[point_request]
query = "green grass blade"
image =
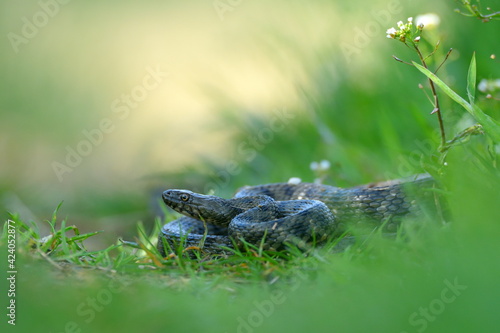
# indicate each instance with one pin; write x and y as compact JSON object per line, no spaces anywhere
{"x":471,"y":80}
{"x":84,"y":236}
{"x":63,"y":239}
{"x":447,"y":90}
{"x":490,"y":125}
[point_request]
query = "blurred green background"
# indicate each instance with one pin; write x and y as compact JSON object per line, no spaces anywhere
{"x":210,"y":96}
{"x":224,"y":71}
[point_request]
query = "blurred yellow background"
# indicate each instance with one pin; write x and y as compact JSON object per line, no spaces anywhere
{"x":65,"y":79}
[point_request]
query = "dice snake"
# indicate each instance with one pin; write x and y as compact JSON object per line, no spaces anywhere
{"x":274,"y":215}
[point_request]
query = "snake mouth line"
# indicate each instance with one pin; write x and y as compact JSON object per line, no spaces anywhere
{"x":191,"y":211}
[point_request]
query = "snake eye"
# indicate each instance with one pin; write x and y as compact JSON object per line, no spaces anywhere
{"x":184,"y":197}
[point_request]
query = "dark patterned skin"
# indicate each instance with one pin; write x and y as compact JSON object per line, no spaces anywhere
{"x":276,"y":214}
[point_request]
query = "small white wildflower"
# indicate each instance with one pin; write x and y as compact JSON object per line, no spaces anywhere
{"x":314,"y":166}
{"x":391,"y":33}
{"x":486,"y":85}
{"x":403,"y":32}
{"x":294,"y":180}
{"x":417,"y":39}
{"x":407,"y":26}
{"x":429,"y":20}
{"x":324,"y":165}
{"x":45,"y":240}
{"x":483,"y":85}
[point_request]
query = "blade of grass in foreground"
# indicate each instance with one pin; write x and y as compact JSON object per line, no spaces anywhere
{"x":471,"y":80}
{"x":490,"y":125}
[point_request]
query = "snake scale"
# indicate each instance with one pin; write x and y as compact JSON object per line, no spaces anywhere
{"x":273,"y":215}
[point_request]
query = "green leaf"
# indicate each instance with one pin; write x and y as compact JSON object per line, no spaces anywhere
{"x":489,"y":124}
{"x":471,"y":80}
{"x":63,"y":238}
{"x":448,"y":91}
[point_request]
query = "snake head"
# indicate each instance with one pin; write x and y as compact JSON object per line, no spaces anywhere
{"x":181,"y":201}
{"x":208,"y":208}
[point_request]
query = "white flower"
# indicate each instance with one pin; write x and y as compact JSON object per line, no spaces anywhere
{"x":45,"y":240}
{"x":429,"y":20}
{"x":321,"y":166}
{"x":483,"y":85}
{"x":497,"y":149}
{"x":403,"y":31}
{"x":324,"y":165}
{"x":391,"y":33}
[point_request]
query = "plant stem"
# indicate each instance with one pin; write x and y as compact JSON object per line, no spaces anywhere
{"x":437,"y":109}
{"x":475,"y":11}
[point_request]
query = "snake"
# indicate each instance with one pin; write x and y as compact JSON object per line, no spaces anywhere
{"x":276,"y":215}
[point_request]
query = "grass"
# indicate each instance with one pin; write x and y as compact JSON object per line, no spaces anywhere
{"x":380,"y":283}
{"x":436,"y":275}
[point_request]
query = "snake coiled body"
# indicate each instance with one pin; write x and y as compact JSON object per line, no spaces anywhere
{"x":273,"y":215}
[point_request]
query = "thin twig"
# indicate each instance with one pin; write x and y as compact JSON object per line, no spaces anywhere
{"x":436,"y":110}
{"x":445,"y":58}
{"x":399,"y":60}
{"x":433,"y":51}
{"x":474,"y":10}
{"x":426,"y":94}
